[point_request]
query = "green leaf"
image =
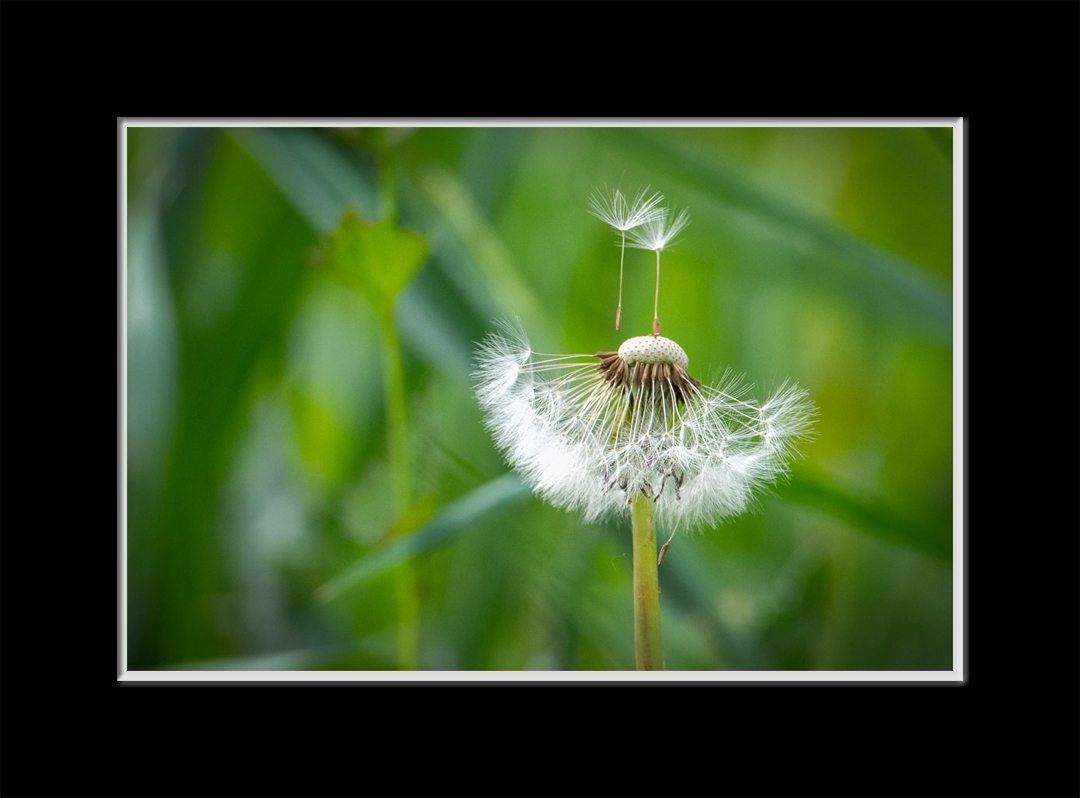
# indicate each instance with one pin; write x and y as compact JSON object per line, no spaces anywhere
{"x":237,"y":275}
{"x":492,"y":264}
{"x":870,"y":516}
{"x":378,"y":260}
{"x":318,"y":180}
{"x":459,"y":518}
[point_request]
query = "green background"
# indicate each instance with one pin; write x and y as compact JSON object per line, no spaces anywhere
{"x":309,"y":484}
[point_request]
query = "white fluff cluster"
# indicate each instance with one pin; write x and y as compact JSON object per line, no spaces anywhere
{"x":589,"y":444}
{"x":658,"y":231}
{"x":624,"y":214}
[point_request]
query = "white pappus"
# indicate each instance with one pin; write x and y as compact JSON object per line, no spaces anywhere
{"x":590,"y":432}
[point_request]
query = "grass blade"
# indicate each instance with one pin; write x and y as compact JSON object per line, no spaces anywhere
{"x":458,"y":518}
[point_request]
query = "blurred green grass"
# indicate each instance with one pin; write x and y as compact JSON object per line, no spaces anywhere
{"x":261,"y":528}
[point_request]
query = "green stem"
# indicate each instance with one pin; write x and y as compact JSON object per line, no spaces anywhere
{"x":408,"y":641}
{"x":396,"y":418}
{"x":648,"y":648}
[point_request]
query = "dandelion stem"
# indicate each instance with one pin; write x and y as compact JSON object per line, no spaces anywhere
{"x":648,"y":648}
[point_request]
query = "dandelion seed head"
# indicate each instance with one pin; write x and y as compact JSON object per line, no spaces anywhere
{"x":590,"y":432}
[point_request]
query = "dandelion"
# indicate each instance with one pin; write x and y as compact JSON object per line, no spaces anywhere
{"x":592,"y":432}
{"x":630,"y":433}
{"x":624,"y":215}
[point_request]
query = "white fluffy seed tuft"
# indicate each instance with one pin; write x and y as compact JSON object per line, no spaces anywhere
{"x":623,"y":214}
{"x":590,"y":445}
